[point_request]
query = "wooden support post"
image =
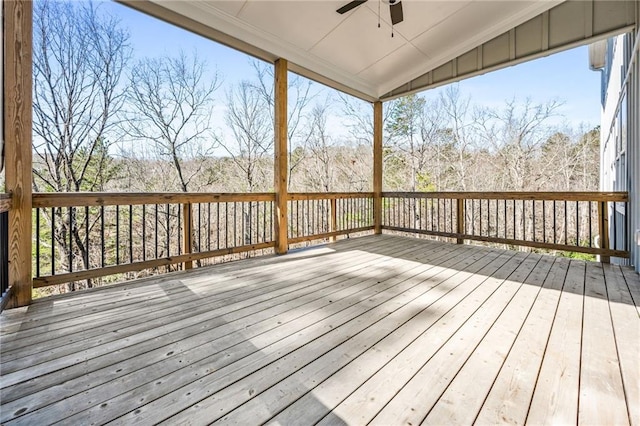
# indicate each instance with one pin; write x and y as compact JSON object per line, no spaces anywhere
{"x":460,"y":220}
{"x":377,"y":167}
{"x":17,"y":84}
{"x":280,"y":165}
{"x":603,"y":228}
{"x":333,"y":219}
{"x":187,"y":215}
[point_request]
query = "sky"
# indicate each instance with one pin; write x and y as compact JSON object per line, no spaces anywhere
{"x":564,"y":76}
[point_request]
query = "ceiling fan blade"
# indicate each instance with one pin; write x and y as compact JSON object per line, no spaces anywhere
{"x":396,"y":13}
{"x":351,"y":5}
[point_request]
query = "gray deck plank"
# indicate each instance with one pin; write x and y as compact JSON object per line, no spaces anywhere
{"x":626,"y":329}
{"x":382,"y":329}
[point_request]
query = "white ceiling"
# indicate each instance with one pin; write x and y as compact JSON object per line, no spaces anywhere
{"x":350,"y":49}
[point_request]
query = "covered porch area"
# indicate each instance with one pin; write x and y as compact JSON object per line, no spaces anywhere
{"x":381,"y":329}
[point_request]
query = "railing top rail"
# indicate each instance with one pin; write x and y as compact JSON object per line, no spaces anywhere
{"x":72,"y":199}
{"x":5,"y":202}
{"x":68,"y":199}
{"x":327,"y":195}
{"x":557,"y":196}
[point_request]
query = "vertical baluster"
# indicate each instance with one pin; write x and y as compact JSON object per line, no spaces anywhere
{"x":544,"y":223}
{"x":524,"y":221}
{"x":235,"y":224}
{"x":180,"y":250}
{"x":130,"y":233}
{"x":264,"y":221}
{"x":156,"y":241}
{"x":243,"y":230}
{"x":102,"y":256}
{"x":577,"y":224}
{"x":297,"y":227}
{"x":615,"y":227}
{"x":71,"y":211}
{"x":117,"y":234}
{"x":554,"y":221}
{"x":144,"y":232}
{"x":37,"y":242}
{"x":566,"y":223}
{"x":53,"y":240}
{"x":86,"y":237}
{"x":590,"y":211}
{"x":514,"y":218}
{"x":505,"y":218}
{"x":534,"y":220}
{"x":168,"y":217}
{"x":480,"y":214}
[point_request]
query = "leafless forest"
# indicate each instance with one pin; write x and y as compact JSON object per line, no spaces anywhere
{"x":107,"y":118}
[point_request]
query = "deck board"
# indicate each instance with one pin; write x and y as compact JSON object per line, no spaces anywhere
{"x":378,"y":329}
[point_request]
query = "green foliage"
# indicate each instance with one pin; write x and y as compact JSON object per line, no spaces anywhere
{"x":405,"y":115}
{"x":425,"y":184}
{"x":577,"y":255}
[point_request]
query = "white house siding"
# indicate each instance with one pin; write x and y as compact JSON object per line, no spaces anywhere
{"x":620,"y":140}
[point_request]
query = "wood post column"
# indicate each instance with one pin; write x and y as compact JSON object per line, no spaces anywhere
{"x":377,"y":167}
{"x":17,"y":84}
{"x":281,"y":167}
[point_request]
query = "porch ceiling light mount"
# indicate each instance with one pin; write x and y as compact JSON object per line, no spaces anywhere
{"x":395,"y":9}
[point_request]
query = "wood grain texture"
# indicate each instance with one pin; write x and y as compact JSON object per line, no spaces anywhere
{"x":73,"y":199}
{"x":382,"y":329}
{"x":17,"y":38}
{"x":558,"y":196}
{"x":281,"y":152}
{"x":5,"y":202}
{"x":377,"y":167}
{"x":138,"y":266}
{"x":292,"y":196}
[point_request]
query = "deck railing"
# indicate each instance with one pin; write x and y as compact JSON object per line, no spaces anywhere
{"x":5,"y":289}
{"x":314,"y":216}
{"x":573,"y":221}
{"x":79,"y":237}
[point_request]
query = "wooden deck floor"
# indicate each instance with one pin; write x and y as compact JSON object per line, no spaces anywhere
{"x":376,"y":330}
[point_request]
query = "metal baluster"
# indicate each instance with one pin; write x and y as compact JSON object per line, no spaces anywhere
{"x":130,"y":233}
{"x":590,"y":232}
{"x":71,"y":209}
{"x":117,"y":235}
{"x":577,"y":224}
{"x":144,"y":232}
{"x":37,"y":242}
{"x":53,"y":240}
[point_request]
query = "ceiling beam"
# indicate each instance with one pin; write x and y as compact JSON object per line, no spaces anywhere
{"x":570,"y":24}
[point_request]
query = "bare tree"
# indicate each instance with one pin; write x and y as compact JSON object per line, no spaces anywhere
{"x":79,"y":55}
{"x":170,"y":101}
{"x":515,"y":134}
{"x":252,"y":127}
{"x":300,"y":95}
{"x":320,"y":175}
{"x":457,"y":112}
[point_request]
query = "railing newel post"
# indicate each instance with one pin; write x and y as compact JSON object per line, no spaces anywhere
{"x":460,"y":220}
{"x":603,"y":229}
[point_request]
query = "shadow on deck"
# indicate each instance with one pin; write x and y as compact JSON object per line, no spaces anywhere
{"x":379,"y":329}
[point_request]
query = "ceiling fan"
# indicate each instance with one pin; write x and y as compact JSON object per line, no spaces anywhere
{"x":395,"y":7}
